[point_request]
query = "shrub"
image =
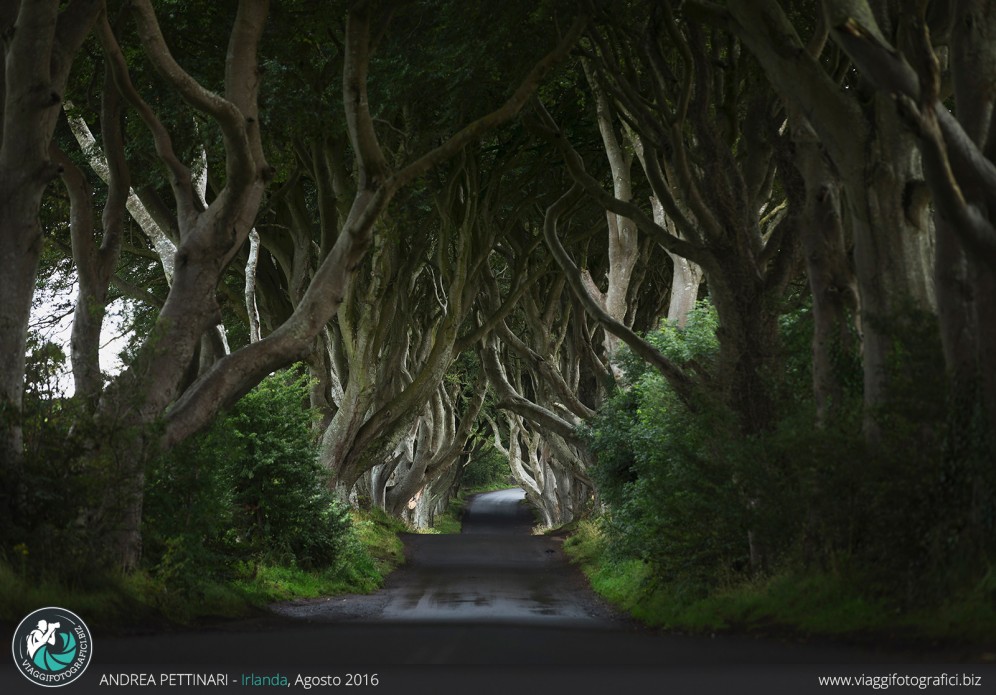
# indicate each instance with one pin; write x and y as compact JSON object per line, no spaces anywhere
{"x":909,"y":516}
{"x":676,"y":502}
{"x":249,"y":489}
{"x":48,"y":524}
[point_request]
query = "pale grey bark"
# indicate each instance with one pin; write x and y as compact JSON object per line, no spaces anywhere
{"x":539,"y":466}
{"x":161,"y":243}
{"x":94,"y":266}
{"x":429,"y":455}
{"x":702,"y":186}
{"x":877,"y":162}
{"x":836,"y":309}
{"x":623,"y":241}
{"x":686,"y":275}
{"x":208,"y":237}
{"x":250,"y":287}
{"x":685,"y":278}
{"x":523,"y":456}
{"x":376,"y":185}
{"x":671,"y":371}
{"x":958,"y":167}
{"x":510,"y":398}
{"x":535,"y":376}
{"x":394,"y":370}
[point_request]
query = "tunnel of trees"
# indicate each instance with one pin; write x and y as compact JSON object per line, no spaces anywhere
{"x":720,"y":274}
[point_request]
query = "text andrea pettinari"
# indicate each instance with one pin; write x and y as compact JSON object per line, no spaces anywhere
{"x":167,"y":679}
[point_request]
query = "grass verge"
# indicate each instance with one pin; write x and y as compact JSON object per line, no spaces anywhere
{"x":802,"y":604}
{"x":124,"y":601}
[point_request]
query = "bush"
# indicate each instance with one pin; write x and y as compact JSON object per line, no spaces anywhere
{"x":49,"y":521}
{"x":702,"y":505}
{"x":249,"y":490}
{"x":677,"y":501}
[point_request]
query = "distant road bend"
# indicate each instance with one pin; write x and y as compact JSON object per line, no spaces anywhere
{"x":493,"y":572}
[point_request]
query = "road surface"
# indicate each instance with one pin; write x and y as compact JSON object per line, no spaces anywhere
{"x":494,"y":572}
{"x":493,"y":609}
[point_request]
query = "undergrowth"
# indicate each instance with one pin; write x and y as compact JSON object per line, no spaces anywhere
{"x":787,"y":601}
{"x":115,"y":601}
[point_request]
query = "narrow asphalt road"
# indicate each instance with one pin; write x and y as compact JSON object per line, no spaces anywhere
{"x":492,"y":609}
{"x":494,"y":572}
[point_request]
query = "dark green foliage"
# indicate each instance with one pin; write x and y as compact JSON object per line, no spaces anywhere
{"x":488,"y":469}
{"x":909,"y":516}
{"x":56,"y":507}
{"x":675,"y":502}
{"x":937,"y":464}
{"x":248,"y":489}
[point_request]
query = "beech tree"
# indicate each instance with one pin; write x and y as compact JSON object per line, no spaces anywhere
{"x":41,"y":40}
{"x":957,"y":161}
{"x":893,"y":237}
{"x":713,"y":177}
{"x":385,"y":412}
{"x":313,"y":196}
{"x":156,"y":387}
{"x":536,"y":372}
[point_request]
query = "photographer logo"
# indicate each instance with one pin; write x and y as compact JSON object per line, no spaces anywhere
{"x":52,"y":647}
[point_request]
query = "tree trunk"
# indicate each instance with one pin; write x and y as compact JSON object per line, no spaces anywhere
{"x":685,"y":280}
{"x":686,"y":276}
{"x":20,"y":248}
{"x":748,"y":344}
{"x":624,"y":248}
{"x":38,"y":52}
{"x":831,"y":280}
{"x":880,"y":170}
{"x":966,"y":285}
{"x":893,"y":248}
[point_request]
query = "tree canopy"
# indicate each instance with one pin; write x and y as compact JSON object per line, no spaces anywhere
{"x":674,"y":261}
